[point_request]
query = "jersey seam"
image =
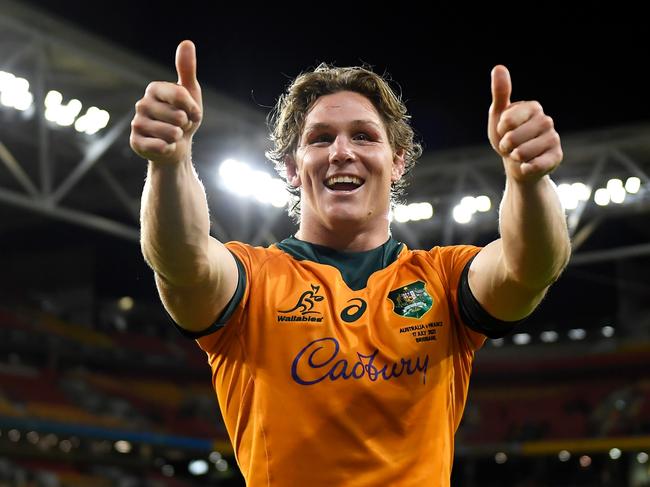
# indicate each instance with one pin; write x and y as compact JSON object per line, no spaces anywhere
{"x":248,"y":364}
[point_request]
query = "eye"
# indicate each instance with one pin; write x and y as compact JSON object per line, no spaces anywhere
{"x":363,"y":136}
{"x":321,"y":138}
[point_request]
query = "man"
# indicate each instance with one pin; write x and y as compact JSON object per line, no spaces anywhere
{"x":340,"y":357}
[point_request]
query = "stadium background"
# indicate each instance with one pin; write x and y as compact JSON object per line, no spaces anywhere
{"x":96,"y":388}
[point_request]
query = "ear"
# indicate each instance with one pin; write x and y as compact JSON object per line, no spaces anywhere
{"x":293,"y":177}
{"x":398,"y":166}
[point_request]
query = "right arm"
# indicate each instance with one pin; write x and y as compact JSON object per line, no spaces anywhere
{"x":195,"y":274}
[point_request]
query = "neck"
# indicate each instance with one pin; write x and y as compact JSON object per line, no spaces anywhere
{"x":344,"y":237}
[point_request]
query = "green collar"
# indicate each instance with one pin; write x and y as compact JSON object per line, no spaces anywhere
{"x":355,"y":267}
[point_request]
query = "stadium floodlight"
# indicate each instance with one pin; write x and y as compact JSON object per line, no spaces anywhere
{"x":14,"y":92}
{"x":613,"y":184}
{"x":462,"y":214}
{"x":564,"y":455}
{"x":167,"y":470}
{"x":632,"y":185}
{"x":607,"y":331}
{"x":601,"y":197}
{"x":497,"y":342}
{"x":122,"y":446}
{"x":483,"y":203}
{"x":549,"y":336}
{"x":125,"y":303}
{"x":568,"y":196}
{"x":469,"y":202}
{"x":585,"y":461}
{"x":577,"y":333}
{"x":412,"y":212}
{"x":401,"y":213}
{"x":500,"y":458}
{"x":642,"y":457}
{"x":616,"y":190}
{"x":221,"y":465}
{"x":581,"y":190}
{"x":239,"y":178}
{"x":615,"y":453}
{"x":521,"y":339}
{"x":198,"y":467}
{"x":617,"y":194}
{"x":420,"y":211}
{"x":57,"y":112}
{"x":65,"y":446}
{"x":92,"y":121}
{"x":214,"y":456}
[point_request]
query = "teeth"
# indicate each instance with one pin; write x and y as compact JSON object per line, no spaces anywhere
{"x":343,"y":179}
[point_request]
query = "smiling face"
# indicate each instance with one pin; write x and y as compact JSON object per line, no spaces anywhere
{"x":344,"y":165}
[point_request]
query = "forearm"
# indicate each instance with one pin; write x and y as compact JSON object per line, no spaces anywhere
{"x":535,"y":240}
{"x":175,"y":223}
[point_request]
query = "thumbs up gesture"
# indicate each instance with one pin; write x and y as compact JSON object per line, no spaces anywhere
{"x":169,"y":114}
{"x":521,"y":133}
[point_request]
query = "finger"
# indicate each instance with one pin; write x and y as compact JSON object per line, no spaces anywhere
{"x":547,"y":142}
{"x":164,"y":112}
{"x":174,"y":95}
{"x":151,"y":147}
{"x":501,"y":87}
{"x":530,"y":129}
{"x":542,"y":165}
{"x":160,"y":130}
{"x":518,"y":114}
{"x":186,"y":69}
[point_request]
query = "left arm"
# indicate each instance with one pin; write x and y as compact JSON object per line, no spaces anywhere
{"x":510,"y":276}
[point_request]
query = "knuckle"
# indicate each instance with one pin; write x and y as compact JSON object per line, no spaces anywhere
{"x":152,"y":87}
{"x":179,"y":118}
{"x":548,"y":122}
{"x":137,"y":124}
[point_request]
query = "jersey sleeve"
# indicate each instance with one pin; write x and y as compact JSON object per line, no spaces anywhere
{"x":451,"y":261}
{"x":247,"y":259}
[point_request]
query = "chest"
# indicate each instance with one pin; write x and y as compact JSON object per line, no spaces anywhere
{"x":306,"y":321}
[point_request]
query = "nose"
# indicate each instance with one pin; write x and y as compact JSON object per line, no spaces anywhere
{"x":341,"y":150}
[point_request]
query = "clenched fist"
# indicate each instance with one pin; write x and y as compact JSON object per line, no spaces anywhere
{"x":169,"y":114}
{"x":521,"y":133}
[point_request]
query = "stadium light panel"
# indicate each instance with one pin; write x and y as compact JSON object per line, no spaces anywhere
{"x":601,"y":197}
{"x":483,"y":203}
{"x":632,"y":185}
{"x":198,"y":467}
{"x":462,"y":214}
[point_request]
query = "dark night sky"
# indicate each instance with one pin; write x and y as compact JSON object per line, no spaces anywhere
{"x":588,"y":72}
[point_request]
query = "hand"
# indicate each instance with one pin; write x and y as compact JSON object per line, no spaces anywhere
{"x":521,"y":133}
{"x":169,"y":114}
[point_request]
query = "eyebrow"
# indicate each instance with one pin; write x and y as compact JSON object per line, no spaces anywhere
{"x":322,"y":125}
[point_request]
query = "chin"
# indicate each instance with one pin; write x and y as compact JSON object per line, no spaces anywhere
{"x":350,"y":215}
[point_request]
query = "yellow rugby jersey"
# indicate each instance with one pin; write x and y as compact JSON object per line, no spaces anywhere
{"x":324,"y":379}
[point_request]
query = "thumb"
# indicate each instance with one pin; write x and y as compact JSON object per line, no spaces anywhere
{"x":186,"y":69}
{"x":501,"y":90}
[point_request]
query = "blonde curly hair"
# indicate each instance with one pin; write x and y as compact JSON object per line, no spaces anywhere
{"x":287,"y":119}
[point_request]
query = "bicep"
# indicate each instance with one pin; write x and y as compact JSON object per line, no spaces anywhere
{"x":195,"y":307}
{"x":501,"y":296}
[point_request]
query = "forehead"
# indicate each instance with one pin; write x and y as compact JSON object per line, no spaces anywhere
{"x":342,"y":106}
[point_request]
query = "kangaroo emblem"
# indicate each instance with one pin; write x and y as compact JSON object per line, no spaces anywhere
{"x":306,"y":302}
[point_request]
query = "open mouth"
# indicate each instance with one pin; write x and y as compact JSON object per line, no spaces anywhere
{"x":343,"y":183}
